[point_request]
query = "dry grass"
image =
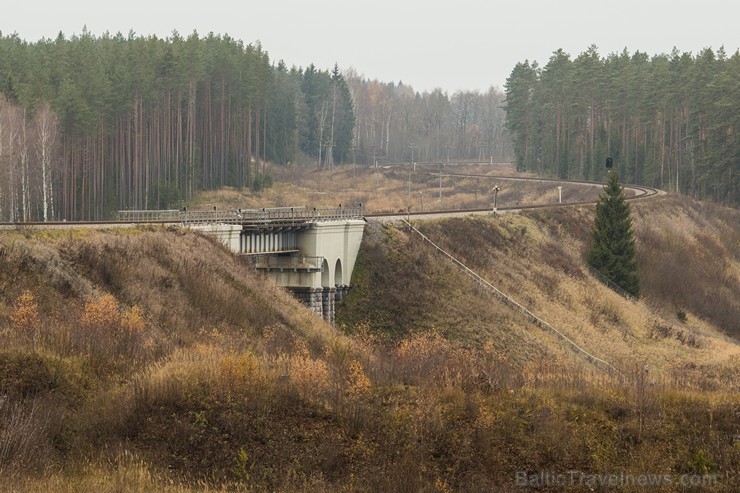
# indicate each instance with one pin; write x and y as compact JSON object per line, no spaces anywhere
{"x":689,"y":256}
{"x":387,"y":190}
{"x":538,"y":260}
{"x":123,"y":473}
{"x":24,"y":441}
{"x":156,"y":361}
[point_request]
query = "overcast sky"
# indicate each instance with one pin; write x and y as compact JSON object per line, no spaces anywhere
{"x":462,"y":44}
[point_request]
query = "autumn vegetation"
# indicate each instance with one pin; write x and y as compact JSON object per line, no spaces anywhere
{"x":153,"y":359}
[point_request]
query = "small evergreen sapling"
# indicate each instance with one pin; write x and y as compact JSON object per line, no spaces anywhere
{"x":612,"y":251}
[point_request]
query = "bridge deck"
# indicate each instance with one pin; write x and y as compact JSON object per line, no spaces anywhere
{"x":299,"y":217}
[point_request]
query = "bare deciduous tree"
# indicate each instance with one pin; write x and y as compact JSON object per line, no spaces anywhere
{"x":45,"y":126}
{"x":27,"y":162}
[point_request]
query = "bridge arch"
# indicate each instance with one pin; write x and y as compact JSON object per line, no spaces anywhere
{"x":338,"y":273}
{"x":325,"y":275}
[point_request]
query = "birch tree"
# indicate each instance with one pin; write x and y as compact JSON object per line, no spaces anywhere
{"x":25,"y":188}
{"x":3,"y":158}
{"x":45,"y":126}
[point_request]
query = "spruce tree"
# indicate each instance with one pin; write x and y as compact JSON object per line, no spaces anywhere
{"x":612,"y":252}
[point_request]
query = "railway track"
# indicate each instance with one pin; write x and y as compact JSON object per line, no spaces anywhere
{"x":640,"y":193}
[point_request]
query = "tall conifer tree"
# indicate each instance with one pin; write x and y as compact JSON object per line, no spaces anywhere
{"x":612,"y":250}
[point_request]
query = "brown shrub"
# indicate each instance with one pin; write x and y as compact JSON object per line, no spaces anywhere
{"x":24,"y":318}
{"x":25,"y":315}
{"x":111,"y":338}
{"x":278,"y":339}
{"x":423,"y":358}
{"x":100,"y":315}
{"x":555,"y":256}
{"x":492,"y":370}
{"x":686,"y":259}
{"x":24,"y":440}
{"x":310,"y":377}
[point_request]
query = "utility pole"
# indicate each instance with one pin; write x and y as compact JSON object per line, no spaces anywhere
{"x":440,"y":182}
{"x":354,"y":163}
{"x":375,"y":160}
{"x":412,"y":146}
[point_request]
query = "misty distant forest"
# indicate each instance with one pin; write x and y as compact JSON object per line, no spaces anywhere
{"x":91,"y":125}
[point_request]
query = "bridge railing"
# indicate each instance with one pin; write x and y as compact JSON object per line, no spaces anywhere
{"x":336,"y":213}
{"x":290,"y":215}
{"x":148,"y":215}
{"x":293,"y":262}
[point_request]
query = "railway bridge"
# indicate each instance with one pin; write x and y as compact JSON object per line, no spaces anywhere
{"x":309,"y":251}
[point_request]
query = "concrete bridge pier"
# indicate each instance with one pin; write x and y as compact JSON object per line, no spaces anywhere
{"x":313,"y":298}
{"x":330,"y":248}
{"x":311,"y":253}
{"x":342,"y":292}
{"x":320,"y":300}
{"x":328,"y":302}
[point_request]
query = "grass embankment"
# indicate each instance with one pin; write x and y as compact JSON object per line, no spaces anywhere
{"x":391,"y":189}
{"x":537,"y":258}
{"x":154,"y":360}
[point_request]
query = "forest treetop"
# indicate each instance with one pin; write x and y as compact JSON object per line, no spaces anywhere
{"x":90,"y":125}
{"x":145,"y":122}
{"x":669,"y":121}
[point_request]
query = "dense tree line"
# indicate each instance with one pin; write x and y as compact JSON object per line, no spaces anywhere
{"x":90,"y":125}
{"x":669,"y":121}
{"x":94,"y":124}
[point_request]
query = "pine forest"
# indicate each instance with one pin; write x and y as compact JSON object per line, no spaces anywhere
{"x":92,"y":125}
{"x":669,"y":121}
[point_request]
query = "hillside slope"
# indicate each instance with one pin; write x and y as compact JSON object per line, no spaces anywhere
{"x":689,"y":266}
{"x":151,"y":359}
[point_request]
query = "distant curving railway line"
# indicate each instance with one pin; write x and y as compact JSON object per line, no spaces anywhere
{"x":640,"y":193}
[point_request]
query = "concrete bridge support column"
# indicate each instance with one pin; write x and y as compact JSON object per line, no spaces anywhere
{"x":342,"y":291}
{"x":328,"y":299}
{"x":313,"y":298}
{"x":320,"y":300}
